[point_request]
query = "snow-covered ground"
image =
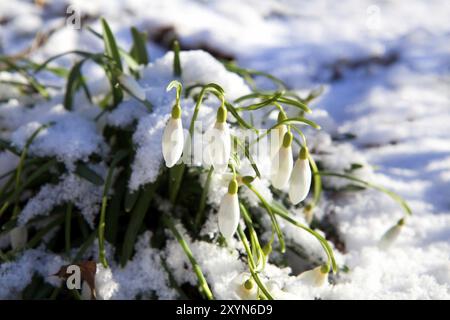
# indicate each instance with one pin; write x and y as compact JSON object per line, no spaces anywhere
{"x":385,"y":67}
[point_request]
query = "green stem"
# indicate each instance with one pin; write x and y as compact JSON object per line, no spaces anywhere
{"x":256,"y":247}
{"x":203,"y":284}
{"x":317,"y":181}
{"x":325,"y":245}
{"x":201,"y":208}
{"x":271,"y":215}
{"x":251,"y":264}
{"x":121,"y":154}
{"x":390,"y":193}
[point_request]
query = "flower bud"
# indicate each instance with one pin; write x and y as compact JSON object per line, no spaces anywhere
{"x":316,"y":277}
{"x":300,"y":179}
{"x":229,"y":211}
{"x":391,"y":235}
{"x":282,"y":163}
{"x":173,"y":138}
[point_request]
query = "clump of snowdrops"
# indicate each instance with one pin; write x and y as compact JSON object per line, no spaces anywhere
{"x":125,"y":214}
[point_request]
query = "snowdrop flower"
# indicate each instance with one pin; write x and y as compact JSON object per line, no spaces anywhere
{"x":173,"y":137}
{"x":278,"y":133}
{"x":229,"y":212}
{"x":391,"y":235}
{"x":300,"y":178}
{"x":131,"y":86}
{"x":316,"y":277}
{"x":244,"y":287}
{"x":219,"y":146}
{"x":282,"y":163}
{"x":18,"y":237}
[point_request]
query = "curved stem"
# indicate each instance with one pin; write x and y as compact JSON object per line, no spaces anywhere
{"x":203,"y":284}
{"x":251,"y":264}
{"x":390,"y":193}
{"x":325,"y":245}
{"x":201,"y":208}
{"x":271,"y":215}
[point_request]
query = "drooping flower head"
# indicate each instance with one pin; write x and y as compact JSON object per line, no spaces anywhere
{"x":301,"y":178}
{"x":229,"y":211}
{"x":282,"y":163}
{"x":173,"y":136}
{"x":219,"y":145}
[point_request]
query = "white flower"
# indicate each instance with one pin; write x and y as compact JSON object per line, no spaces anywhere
{"x":229,"y":212}
{"x":219,"y":145}
{"x":278,"y":135}
{"x":282,"y":163}
{"x":316,"y":277}
{"x":18,"y":237}
{"x":391,"y":235}
{"x":173,"y":138}
{"x":132,"y":86}
{"x":300,"y":178}
{"x":244,"y":287}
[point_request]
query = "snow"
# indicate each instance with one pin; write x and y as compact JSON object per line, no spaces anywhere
{"x":71,"y":189}
{"x":397,"y":110}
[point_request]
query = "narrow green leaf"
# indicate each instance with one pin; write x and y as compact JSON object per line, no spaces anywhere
{"x":110,"y":44}
{"x":73,"y":82}
{"x":136,"y":220}
{"x":176,"y":59}
{"x":139,"y":50}
{"x":390,"y":193}
{"x":279,"y":209}
{"x":201,"y":207}
{"x":83,"y":171}
{"x":120,"y":155}
{"x":130,"y":200}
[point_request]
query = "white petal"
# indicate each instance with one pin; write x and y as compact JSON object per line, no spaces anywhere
{"x":390,"y":236}
{"x":282,"y":165}
{"x":300,"y":181}
{"x":173,"y":142}
{"x":132,"y":86}
{"x":219,"y":147}
{"x":240,"y":290}
{"x":314,"y":277}
{"x":18,"y":237}
{"x":229,"y":214}
{"x":277,"y":141}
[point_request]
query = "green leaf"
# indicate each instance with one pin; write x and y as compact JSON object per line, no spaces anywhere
{"x":297,"y":120}
{"x":136,"y":220}
{"x":295,"y":103}
{"x":390,"y":193}
{"x":130,"y":199}
{"x":120,"y":155}
{"x":139,"y":49}
{"x":83,"y":171}
{"x":202,"y":205}
{"x":176,"y":174}
{"x":261,"y":104}
{"x":176,"y":59}
{"x":73,"y":82}
{"x":280,"y":210}
{"x":110,"y":44}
